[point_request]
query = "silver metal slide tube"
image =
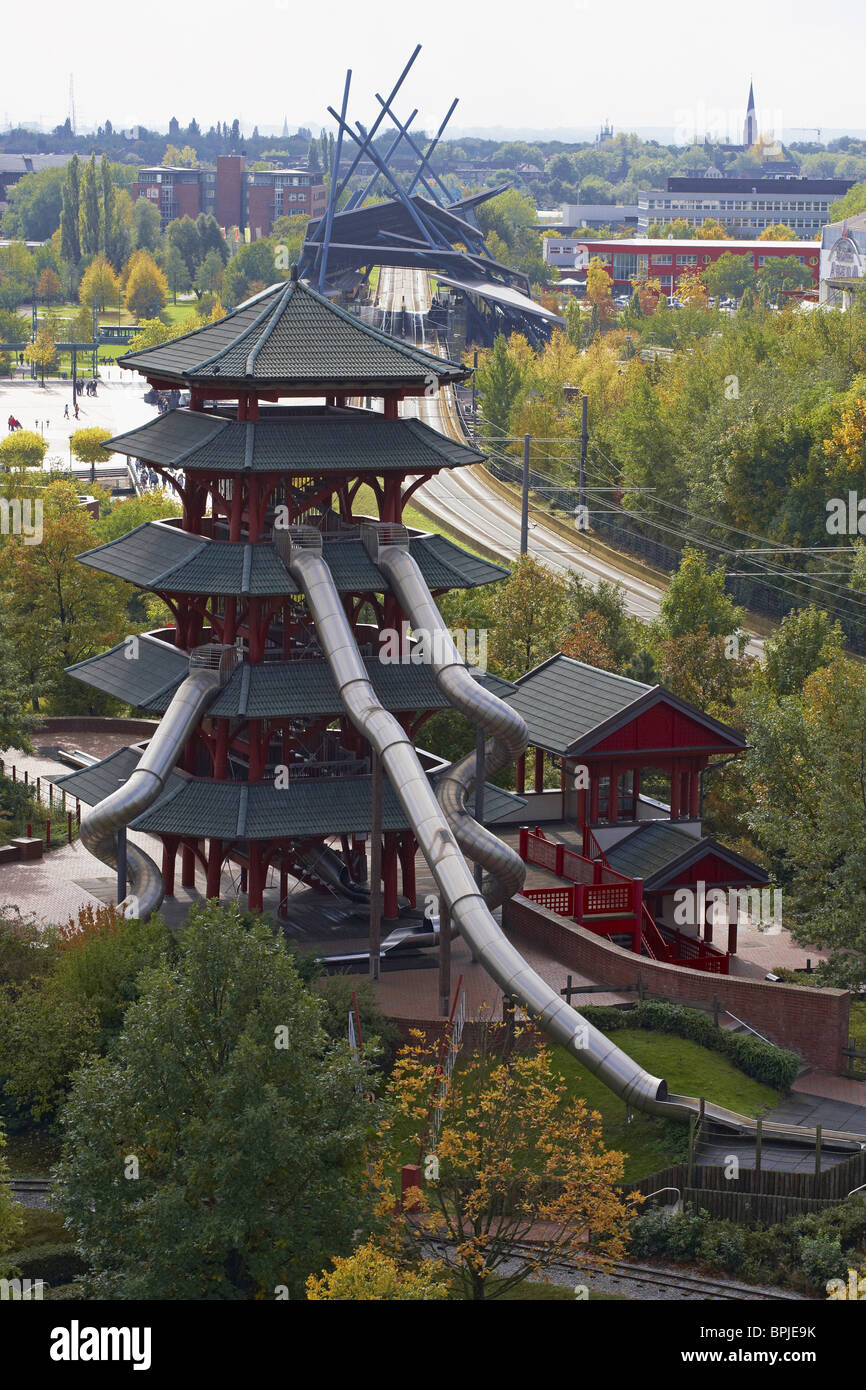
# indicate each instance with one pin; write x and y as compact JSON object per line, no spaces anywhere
{"x":301,"y":551}
{"x":100,"y":824}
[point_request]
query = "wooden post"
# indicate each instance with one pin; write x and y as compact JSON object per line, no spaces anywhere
{"x":69,"y":826}
{"x":691,"y":1168}
{"x":818,"y":1132}
{"x":48,"y":834}
{"x":759,"y":1140}
{"x":444,"y":960}
{"x":375,"y":862}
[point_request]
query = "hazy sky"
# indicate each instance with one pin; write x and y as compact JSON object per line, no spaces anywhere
{"x":568,"y":63}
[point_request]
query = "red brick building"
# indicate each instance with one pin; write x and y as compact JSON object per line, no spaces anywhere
{"x":656,"y":258}
{"x":249,"y":199}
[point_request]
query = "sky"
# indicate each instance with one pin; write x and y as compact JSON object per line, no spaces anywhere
{"x":567,"y":65}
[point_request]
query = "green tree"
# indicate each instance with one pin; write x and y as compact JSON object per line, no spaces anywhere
{"x":183,"y":234}
{"x":528,"y":616}
{"x":145,"y":224}
{"x":87,"y":445}
{"x":729,"y":276}
{"x":48,"y":288}
{"x":209,"y":276}
{"x":22,"y":449}
{"x":108,"y":204}
{"x":695,"y":597}
{"x":500,"y":382}
{"x":70,"y":218}
{"x":210,"y":237}
{"x":176,"y":272}
{"x":91,"y":220}
{"x":805,"y":640}
{"x":781,"y":273}
{"x":247,"y":1129}
{"x":11,"y":1222}
{"x":34,"y":205}
{"x":42,"y":351}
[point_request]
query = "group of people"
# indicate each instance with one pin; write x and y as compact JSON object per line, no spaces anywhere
{"x":87,"y":388}
{"x":14,"y":424}
{"x":66,"y":415}
{"x":149,"y":478}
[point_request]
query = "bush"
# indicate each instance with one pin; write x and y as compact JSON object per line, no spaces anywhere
{"x":55,"y":1264}
{"x":337,"y":990}
{"x":761,"y":1060}
{"x":822,"y":1259}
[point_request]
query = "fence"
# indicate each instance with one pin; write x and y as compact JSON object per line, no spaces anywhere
{"x":51,"y":815}
{"x":625,"y":533}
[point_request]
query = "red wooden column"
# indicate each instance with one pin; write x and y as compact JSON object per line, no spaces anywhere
{"x":563,"y":776}
{"x":594,"y":779}
{"x":214,"y":866}
{"x":187,"y":867}
{"x":255,"y":895}
{"x":520,"y":773}
{"x":732,"y":939}
{"x":637,"y":929}
{"x":539,"y":769}
{"x":169,"y":855}
{"x":390,"y":906}
{"x":636,"y":791}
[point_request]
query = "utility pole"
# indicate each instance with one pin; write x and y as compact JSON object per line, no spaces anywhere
{"x":584,"y":439}
{"x":474,"y":404}
{"x":524,"y":502}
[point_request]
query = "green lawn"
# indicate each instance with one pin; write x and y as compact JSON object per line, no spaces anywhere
{"x":689,"y":1069}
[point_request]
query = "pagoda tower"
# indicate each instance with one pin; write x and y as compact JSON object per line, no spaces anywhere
{"x":273,"y":769}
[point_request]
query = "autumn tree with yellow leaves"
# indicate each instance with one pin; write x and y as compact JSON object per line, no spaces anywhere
{"x":512,"y":1159}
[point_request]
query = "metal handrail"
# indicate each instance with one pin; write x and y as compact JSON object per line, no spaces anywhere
{"x":657,"y":1193}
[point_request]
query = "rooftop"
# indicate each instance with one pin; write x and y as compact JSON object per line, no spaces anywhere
{"x":291,"y":337}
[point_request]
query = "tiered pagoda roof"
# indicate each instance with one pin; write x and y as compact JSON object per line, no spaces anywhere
{"x":165,"y":559}
{"x":291,"y":338}
{"x":293,"y":441}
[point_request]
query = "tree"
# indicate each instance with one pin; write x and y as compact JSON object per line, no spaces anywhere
{"x":694,"y":598}
{"x":711,"y":230}
{"x":145,"y":224}
{"x":528,"y":616}
{"x":146,"y":286}
{"x":99,"y":285}
{"x":500,"y":382}
{"x":11,"y":1223}
{"x":87,"y":445}
{"x":35,"y":205}
{"x":70,"y":218}
{"x":574,"y":323}
{"x":152,"y":332}
{"x":91,"y":220}
{"x":729,"y":276}
{"x":56,"y":611}
{"x":171,"y":158}
{"x":514,"y":1150}
{"x":599,"y":284}
{"x":808,"y":810}
{"x":22,"y":449}
{"x":42,"y":351}
{"x":371,"y":1274}
{"x":183,"y":234}
{"x":176,"y":272}
{"x":209,"y":276}
{"x":108,"y":204}
{"x":702,"y":668}
{"x":48,"y":287}
{"x":691,"y":289}
{"x":584,"y":643}
{"x":805,"y":640}
{"x":251,"y":265}
{"x":602,"y":605}
{"x":778,"y":231}
{"x":780,"y":274}
{"x":210,"y":237}
{"x":247,"y":1130}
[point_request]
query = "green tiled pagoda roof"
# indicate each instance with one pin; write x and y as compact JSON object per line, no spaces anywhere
{"x":297,"y":688}
{"x":658,"y":852}
{"x":306,"y":807}
{"x":291,"y":336}
{"x":563,"y":699}
{"x":301,"y":442}
{"x":259,"y":811}
{"x":163,"y":558}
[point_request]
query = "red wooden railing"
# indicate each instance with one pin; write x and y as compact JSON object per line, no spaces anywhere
{"x":609,"y":903}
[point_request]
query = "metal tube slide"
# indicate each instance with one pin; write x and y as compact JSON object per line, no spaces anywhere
{"x":99,"y":826}
{"x":300,"y":548}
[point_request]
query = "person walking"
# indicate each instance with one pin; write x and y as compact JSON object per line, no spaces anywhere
{"x":66,"y":412}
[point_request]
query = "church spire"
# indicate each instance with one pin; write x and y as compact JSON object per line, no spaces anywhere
{"x":750,"y":128}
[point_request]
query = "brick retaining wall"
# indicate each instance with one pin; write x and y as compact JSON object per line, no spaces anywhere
{"x":811,"y":1022}
{"x":95,"y":724}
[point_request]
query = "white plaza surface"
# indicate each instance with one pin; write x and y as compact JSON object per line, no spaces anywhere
{"x":118,"y":406}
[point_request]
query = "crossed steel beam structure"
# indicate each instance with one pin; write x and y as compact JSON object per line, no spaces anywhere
{"x":419,"y":226}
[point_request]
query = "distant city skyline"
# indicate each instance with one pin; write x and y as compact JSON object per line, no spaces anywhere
{"x":512,"y":78}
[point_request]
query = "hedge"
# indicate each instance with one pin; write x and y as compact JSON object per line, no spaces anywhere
{"x":759,"y":1059}
{"x":55,"y":1264}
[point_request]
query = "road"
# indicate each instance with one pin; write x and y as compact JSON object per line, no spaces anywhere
{"x":463,"y":497}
